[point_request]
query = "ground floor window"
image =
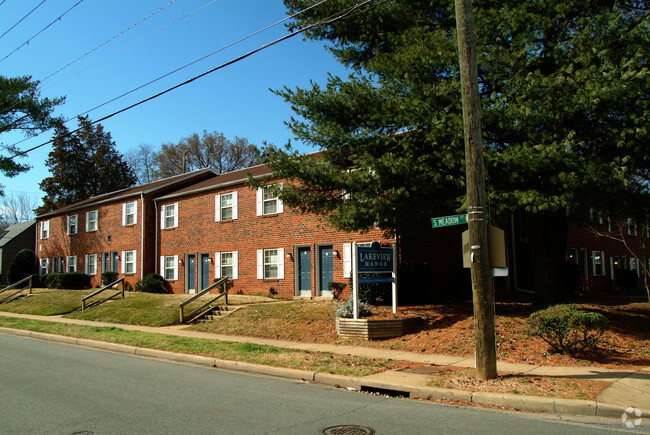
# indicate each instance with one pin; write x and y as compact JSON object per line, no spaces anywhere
{"x":45,"y":263}
{"x":128,"y":262}
{"x":71,"y":263}
{"x":169,"y":267}
{"x":598,"y":262}
{"x":226,"y":264}
{"x":270,"y":263}
{"x":91,"y":264}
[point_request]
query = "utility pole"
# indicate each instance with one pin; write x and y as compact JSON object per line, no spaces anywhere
{"x":482,"y":290}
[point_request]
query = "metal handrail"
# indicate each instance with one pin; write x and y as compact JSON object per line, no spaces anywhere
{"x":106,"y":287}
{"x":224,"y":293}
{"x":14,"y":285}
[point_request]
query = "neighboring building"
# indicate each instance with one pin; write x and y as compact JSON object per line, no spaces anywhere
{"x":13,"y":239}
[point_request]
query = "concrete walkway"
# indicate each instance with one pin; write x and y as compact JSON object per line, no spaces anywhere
{"x":628,"y":397}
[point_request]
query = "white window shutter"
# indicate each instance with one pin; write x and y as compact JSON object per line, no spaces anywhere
{"x":163,"y":212}
{"x":217,"y":264}
{"x":176,"y":212}
{"x":135,"y":213}
{"x":135,"y":261}
{"x":87,"y":271}
{"x":87,"y":213}
{"x":161,"y":272}
{"x":235,"y":263}
{"x":123,"y":214}
{"x":260,"y":264}
{"x":175,"y":277}
{"x":123,"y":261}
{"x":347,"y":260}
{"x":280,"y":207}
{"x":281,"y":266}
{"x":234,"y":205}
{"x":217,"y":208}
{"x":75,"y":263}
{"x":260,"y":201}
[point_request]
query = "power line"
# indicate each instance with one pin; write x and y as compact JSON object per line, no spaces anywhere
{"x":21,"y":20}
{"x":42,"y":30}
{"x":336,"y":17}
{"x":180,"y":68}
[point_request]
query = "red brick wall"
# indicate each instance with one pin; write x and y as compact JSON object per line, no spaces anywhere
{"x":197,"y":232}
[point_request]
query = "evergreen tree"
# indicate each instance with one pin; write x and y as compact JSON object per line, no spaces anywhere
{"x":21,"y":109}
{"x":564,"y":90}
{"x":83,"y":164}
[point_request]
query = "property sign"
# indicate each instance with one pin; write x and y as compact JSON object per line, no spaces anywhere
{"x":447,"y":221}
{"x":374,"y":260}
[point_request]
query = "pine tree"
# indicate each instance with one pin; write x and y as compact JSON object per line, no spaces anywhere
{"x":564,"y":90}
{"x":83,"y":164}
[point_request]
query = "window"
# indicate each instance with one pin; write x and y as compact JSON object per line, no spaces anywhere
{"x":347,"y":257}
{"x":631,"y":227}
{"x":72,"y":224}
{"x":169,"y":267}
{"x":71,"y":263}
{"x":268,"y":202}
{"x":45,"y":229}
{"x":91,"y":221}
{"x":270,"y":263}
{"x":169,"y":216}
{"x":226,"y":264}
{"x":598,"y":263}
{"x":225,"y":206}
{"x":130,"y":213}
{"x":45,"y":263}
{"x":128,"y":262}
{"x":91,"y":264}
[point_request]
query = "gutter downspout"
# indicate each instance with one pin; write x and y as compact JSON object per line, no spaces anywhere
{"x":514,"y":258}
{"x":142,"y":238}
{"x":155,"y":247}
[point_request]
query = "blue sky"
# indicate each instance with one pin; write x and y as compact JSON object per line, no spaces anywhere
{"x":235,"y":100}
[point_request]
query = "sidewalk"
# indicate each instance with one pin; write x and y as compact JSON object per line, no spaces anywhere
{"x":629,"y":389}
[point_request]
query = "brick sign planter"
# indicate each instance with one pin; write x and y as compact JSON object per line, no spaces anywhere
{"x":371,"y":329}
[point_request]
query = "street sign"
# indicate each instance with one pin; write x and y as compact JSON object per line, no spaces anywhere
{"x":447,"y":221}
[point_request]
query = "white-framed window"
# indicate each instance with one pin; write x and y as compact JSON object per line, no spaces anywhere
{"x":45,"y":266}
{"x":91,"y":264}
{"x":169,"y":267}
{"x":631,"y":227}
{"x":130,"y":213}
{"x":226,"y":264}
{"x":347,"y":257}
{"x":270,"y":263}
{"x":169,"y":216}
{"x":609,"y":223}
{"x":128,"y":262}
{"x":268,"y":202}
{"x":633,"y":265}
{"x":45,"y":229}
{"x":71,"y":263}
{"x":72,"y":224}
{"x":225,"y":206}
{"x":91,"y":221}
{"x":598,"y":263}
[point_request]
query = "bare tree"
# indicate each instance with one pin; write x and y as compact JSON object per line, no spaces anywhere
{"x":16,"y":209}
{"x":142,"y":160}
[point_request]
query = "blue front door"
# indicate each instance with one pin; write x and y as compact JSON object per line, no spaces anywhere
{"x":304,"y":271}
{"x":205,"y":271}
{"x":191,"y":274}
{"x":326,"y":266}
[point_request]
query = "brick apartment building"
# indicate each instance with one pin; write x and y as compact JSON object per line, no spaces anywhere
{"x":199,"y":226}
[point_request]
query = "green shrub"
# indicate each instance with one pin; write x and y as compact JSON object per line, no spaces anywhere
{"x":336,"y":288}
{"x":152,"y":283}
{"x":346,"y":309}
{"x":68,"y":280}
{"x":566,"y":328}
{"x":22,"y":266}
{"x":109,"y":277}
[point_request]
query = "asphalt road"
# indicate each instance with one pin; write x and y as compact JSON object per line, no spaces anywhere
{"x":53,"y":388}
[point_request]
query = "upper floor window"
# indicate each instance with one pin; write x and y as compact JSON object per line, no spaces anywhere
{"x":91,"y":220}
{"x":45,"y":229}
{"x":268,"y":201}
{"x":72,"y":224}
{"x":631,"y":227}
{"x":169,"y":216}
{"x":225,"y":206}
{"x":130,"y":213}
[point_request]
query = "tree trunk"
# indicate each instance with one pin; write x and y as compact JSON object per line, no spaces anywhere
{"x":548,"y":245}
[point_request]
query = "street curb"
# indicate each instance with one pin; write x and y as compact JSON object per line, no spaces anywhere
{"x":501,"y":400}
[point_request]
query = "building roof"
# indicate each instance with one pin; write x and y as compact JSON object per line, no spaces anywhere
{"x":228,"y":179}
{"x":142,"y":189}
{"x":13,"y":231}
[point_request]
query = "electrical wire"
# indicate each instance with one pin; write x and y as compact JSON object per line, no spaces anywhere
{"x":21,"y":20}
{"x":180,"y":68}
{"x":42,"y":30}
{"x":335,"y":17}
